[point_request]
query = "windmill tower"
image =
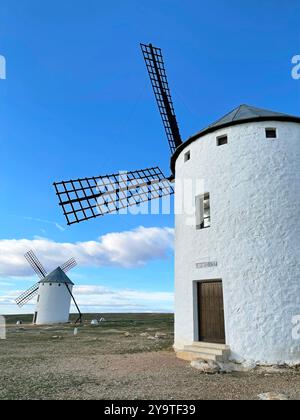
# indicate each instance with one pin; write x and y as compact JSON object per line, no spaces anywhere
{"x":237,"y":288}
{"x":53,"y":291}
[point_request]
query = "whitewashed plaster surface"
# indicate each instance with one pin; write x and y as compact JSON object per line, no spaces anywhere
{"x":54,"y":304}
{"x":254,"y":186}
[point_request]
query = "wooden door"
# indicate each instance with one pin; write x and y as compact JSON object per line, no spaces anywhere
{"x":211,"y":312}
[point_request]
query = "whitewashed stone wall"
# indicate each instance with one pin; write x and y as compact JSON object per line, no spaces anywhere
{"x":54,"y":304}
{"x":254,"y":186}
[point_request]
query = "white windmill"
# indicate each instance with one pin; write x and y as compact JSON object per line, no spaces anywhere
{"x":53,"y":291}
{"x":237,"y":289}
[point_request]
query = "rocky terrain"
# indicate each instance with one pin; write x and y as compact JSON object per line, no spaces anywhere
{"x":125,"y":357}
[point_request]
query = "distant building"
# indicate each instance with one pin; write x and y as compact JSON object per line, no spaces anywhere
{"x":53,"y":291}
{"x":54,"y":299}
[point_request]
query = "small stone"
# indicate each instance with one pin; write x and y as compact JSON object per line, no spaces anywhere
{"x":273,"y":396}
{"x":206,"y":367}
{"x":150,"y":337}
{"x":282,"y":366}
{"x":160,"y":335}
{"x":249,"y":365}
{"x":226,"y":367}
{"x":127,"y":334}
{"x":144,"y":334}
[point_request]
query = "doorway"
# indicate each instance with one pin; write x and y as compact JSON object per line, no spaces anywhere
{"x":211,"y":312}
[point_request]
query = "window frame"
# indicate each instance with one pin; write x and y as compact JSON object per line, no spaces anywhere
{"x":187,"y":156}
{"x":222,"y":138}
{"x":268,"y":130}
{"x":200,"y":211}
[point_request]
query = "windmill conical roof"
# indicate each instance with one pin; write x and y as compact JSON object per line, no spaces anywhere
{"x":57,"y":276}
{"x":247,"y":112}
{"x":240,"y":115}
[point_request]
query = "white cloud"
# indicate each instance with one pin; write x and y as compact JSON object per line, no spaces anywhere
{"x":89,"y":295}
{"x":102,"y":299}
{"x":122,"y":299}
{"x":124,"y":249}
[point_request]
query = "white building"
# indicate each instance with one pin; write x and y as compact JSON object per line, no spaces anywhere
{"x":54,"y":299}
{"x":238,"y":267}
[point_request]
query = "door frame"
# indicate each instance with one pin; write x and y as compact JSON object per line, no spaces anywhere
{"x":196,"y":308}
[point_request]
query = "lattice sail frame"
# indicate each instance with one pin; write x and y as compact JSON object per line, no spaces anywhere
{"x":158,"y":77}
{"x":68,"y":265}
{"x":36,"y":264}
{"x":27,"y":295}
{"x":88,"y":198}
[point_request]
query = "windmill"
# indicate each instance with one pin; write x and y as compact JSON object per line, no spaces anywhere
{"x":231,"y":253}
{"x":87,"y":198}
{"x":54,"y":292}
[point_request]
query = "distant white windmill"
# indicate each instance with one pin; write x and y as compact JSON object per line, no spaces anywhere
{"x":54,"y":292}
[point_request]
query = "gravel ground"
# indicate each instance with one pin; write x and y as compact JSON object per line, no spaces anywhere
{"x":104,"y":363}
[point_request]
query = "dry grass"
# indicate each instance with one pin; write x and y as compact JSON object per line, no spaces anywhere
{"x":103,"y":363}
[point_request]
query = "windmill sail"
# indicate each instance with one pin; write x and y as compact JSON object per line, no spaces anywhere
{"x":156,"y":69}
{"x":36,"y":264}
{"x":68,"y":265}
{"x":40,"y":271}
{"x":28,"y":295}
{"x":88,"y":198}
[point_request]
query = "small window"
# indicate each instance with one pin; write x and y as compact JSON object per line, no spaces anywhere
{"x":203,"y":211}
{"x":59,"y":285}
{"x":271,"y":133}
{"x":38,"y":298}
{"x":50,"y":284}
{"x":222,"y":140}
{"x":187,"y":156}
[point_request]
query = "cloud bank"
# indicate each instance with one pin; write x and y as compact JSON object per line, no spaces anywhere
{"x":126,"y":249}
{"x":102,"y":299}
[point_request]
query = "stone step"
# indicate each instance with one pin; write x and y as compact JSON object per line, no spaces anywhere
{"x":210,"y":345}
{"x":189,"y":356}
{"x":206,"y":350}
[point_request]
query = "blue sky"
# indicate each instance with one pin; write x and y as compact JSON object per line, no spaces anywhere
{"x":77,"y":102}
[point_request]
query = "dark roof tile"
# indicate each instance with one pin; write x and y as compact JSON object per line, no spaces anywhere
{"x":57,"y":276}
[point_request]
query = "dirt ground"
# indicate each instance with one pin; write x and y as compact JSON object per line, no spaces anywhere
{"x":114,"y":361}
